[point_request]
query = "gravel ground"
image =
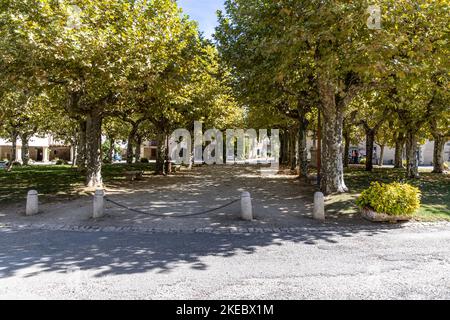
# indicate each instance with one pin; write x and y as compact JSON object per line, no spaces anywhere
{"x":281,"y":201}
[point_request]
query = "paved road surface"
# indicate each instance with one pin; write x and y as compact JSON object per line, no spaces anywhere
{"x":387,"y":263}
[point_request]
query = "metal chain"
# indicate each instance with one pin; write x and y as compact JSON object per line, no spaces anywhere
{"x":166,"y":216}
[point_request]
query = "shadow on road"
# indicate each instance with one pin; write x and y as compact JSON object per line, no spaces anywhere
{"x":131,"y":253}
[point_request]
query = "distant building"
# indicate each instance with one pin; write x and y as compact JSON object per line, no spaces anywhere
{"x":424,"y":153}
{"x":148,"y":150}
{"x":42,"y":149}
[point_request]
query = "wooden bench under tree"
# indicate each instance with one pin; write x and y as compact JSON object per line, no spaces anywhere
{"x":134,"y":175}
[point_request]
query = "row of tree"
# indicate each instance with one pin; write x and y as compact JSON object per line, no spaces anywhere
{"x":294,"y":60}
{"x":85,"y":69}
{"x":137,"y":70}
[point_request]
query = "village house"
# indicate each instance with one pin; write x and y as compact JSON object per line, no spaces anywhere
{"x":42,"y":149}
{"x":424,"y":153}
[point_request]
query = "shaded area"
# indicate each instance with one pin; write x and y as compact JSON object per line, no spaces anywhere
{"x":127,"y":253}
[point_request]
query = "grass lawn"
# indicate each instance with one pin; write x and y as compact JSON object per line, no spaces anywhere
{"x":435,"y":191}
{"x":55,"y":181}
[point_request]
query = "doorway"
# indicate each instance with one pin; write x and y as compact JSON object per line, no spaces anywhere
{"x":39,"y":154}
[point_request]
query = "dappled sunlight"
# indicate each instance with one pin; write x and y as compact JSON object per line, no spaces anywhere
{"x":435,"y":190}
{"x":139,"y":253}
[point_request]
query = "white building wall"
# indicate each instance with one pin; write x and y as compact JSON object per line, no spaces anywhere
{"x":425,"y":153}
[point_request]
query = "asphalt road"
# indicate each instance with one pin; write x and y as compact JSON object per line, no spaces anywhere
{"x":385,"y":263}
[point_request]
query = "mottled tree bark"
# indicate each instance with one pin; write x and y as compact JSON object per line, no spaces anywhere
{"x":412,"y":165}
{"x":167,"y":158}
{"x":332,"y":171}
{"x":302,"y":147}
{"x":370,"y":141}
{"x":332,"y":165}
{"x":346,"y":148}
{"x":438,"y":153}
{"x":160,"y":155}
{"x":284,"y":148}
{"x":93,"y":149}
{"x":81,"y":146}
{"x":137,"y":152}
{"x":14,"y":137}
{"x":292,"y":156}
{"x":132,"y":141}
{"x":399,"y":143}
{"x":13,"y":158}
{"x":25,"y":148}
{"x":130,"y":153}
{"x":381,"y":160}
{"x":110,"y":156}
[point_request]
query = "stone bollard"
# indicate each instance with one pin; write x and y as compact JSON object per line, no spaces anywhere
{"x":246,"y":206}
{"x":99,"y":204}
{"x":32,"y":203}
{"x":319,"y":206}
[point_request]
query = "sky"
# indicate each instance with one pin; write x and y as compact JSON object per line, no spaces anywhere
{"x":203,"y":11}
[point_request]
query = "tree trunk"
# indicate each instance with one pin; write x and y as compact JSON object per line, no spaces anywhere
{"x":160,"y":155}
{"x":284,"y":148}
{"x":346,"y":148}
{"x":292,"y":156}
{"x":381,"y":160}
{"x":130,"y":154}
{"x":399,"y":143}
{"x":131,"y":141}
{"x":302,"y":148}
{"x":438,"y":153}
{"x":370,"y":140}
{"x":75,"y":151}
{"x":93,"y":149}
{"x":137,"y":152}
{"x":168,"y":159}
{"x":332,"y":171}
{"x":25,"y":149}
{"x":14,"y":137}
{"x":110,"y":156}
{"x":412,"y":166}
{"x":81,"y":146}
{"x":13,"y":158}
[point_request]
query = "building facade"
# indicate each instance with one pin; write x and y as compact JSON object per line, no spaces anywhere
{"x":42,"y":149}
{"x":424,"y":153}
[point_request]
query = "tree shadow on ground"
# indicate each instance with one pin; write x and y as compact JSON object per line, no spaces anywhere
{"x":132,"y":253}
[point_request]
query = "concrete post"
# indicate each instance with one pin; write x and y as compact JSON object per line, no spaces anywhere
{"x":319,"y":206}
{"x":98,"y":204}
{"x":32,"y":203}
{"x":246,"y":206}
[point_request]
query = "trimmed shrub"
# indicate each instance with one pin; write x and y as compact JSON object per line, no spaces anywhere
{"x":144,"y":160}
{"x":394,"y":199}
{"x":446,"y":166}
{"x":362,"y":161}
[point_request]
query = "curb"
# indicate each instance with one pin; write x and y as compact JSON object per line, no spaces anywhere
{"x":127,"y":229}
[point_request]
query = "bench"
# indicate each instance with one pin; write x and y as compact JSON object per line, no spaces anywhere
{"x":134,"y":175}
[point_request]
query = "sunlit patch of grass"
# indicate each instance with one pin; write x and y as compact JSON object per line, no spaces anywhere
{"x":435,"y":190}
{"x":55,"y":181}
